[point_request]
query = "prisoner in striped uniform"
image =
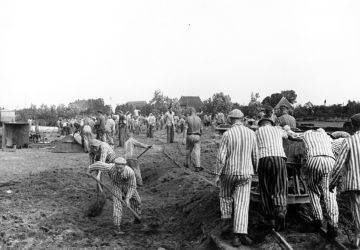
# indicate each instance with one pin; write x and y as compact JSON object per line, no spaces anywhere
{"x":101,"y":151}
{"x":236,"y":161}
{"x":339,"y":137}
{"x":123,"y":185}
{"x":349,"y":160}
{"x":272,"y":171}
{"x":320,"y":162}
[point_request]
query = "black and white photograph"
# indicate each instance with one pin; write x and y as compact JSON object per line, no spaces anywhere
{"x":180,"y":125}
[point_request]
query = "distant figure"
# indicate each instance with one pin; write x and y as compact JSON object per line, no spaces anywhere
{"x":100,"y":127}
{"x":220,"y":118}
{"x":151,"y":125}
{"x":207,"y":120}
{"x":122,"y":129}
{"x":110,"y":127}
{"x":348,"y":164}
{"x":192,"y":134}
{"x":87,"y":136}
{"x":285,"y":118}
{"x":170,"y":123}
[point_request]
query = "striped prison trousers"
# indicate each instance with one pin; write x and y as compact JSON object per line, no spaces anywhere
{"x":318,"y":177}
{"x":273,"y":185}
{"x":235,"y":200}
{"x":355,"y":209}
{"x":135,"y":203}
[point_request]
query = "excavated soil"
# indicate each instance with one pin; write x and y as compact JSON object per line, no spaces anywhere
{"x":45,"y":197}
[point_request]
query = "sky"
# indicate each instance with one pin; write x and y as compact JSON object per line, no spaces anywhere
{"x":54,"y":52}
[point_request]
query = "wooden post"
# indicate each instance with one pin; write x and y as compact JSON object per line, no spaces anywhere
{"x":3,"y":144}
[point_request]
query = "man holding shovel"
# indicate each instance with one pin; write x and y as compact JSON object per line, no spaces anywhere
{"x":123,"y":184}
{"x":130,"y":144}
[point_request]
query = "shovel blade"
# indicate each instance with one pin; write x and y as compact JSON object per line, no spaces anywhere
{"x":96,"y":207}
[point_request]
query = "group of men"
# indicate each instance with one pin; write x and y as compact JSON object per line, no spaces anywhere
{"x":124,"y":179}
{"x":244,"y":152}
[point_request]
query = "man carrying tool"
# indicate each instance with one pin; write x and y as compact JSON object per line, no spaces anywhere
{"x":236,"y":162}
{"x":272,"y":171}
{"x":348,"y":163}
{"x":192,"y":135}
{"x":130,"y":144}
{"x":123,"y":185}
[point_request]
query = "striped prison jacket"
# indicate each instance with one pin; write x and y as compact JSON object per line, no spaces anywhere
{"x":269,"y":141}
{"x":336,"y":146}
{"x":317,"y":143}
{"x":349,"y":158}
{"x":238,"y":152}
{"x":126,"y":178}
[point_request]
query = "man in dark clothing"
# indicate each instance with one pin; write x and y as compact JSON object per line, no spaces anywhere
{"x":122,"y":129}
{"x":100,"y":127}
{"x":285,"y":118}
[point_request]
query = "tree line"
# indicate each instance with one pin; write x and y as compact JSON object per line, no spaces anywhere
{"x":219,"y":102}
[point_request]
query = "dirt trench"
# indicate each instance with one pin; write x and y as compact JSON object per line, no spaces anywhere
{"x":47,"y":209}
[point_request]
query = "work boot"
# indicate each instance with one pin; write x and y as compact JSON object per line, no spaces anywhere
{"x":137,"y":221}
{"x":280,"y":225}
{"x":272,"y":223}
{"x":317,"y":224}
{"x":355,"y":243}
{"x":225,"y":227}
{"x":245,"y":240}
{"x":332,"y":231}
{"x":119,"y":231}
{"x":236,"y":241}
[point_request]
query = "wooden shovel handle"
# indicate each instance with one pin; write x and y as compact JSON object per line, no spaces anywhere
{"x":144,"y":152}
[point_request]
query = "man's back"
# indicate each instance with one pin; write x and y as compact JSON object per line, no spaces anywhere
{"x":270,"y":141}
{"x":238,"y":151}
{"x":101,"y":123}
{"x":352,"y":144}
{"x":193,"y":123}
{"x":318,"y":143}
